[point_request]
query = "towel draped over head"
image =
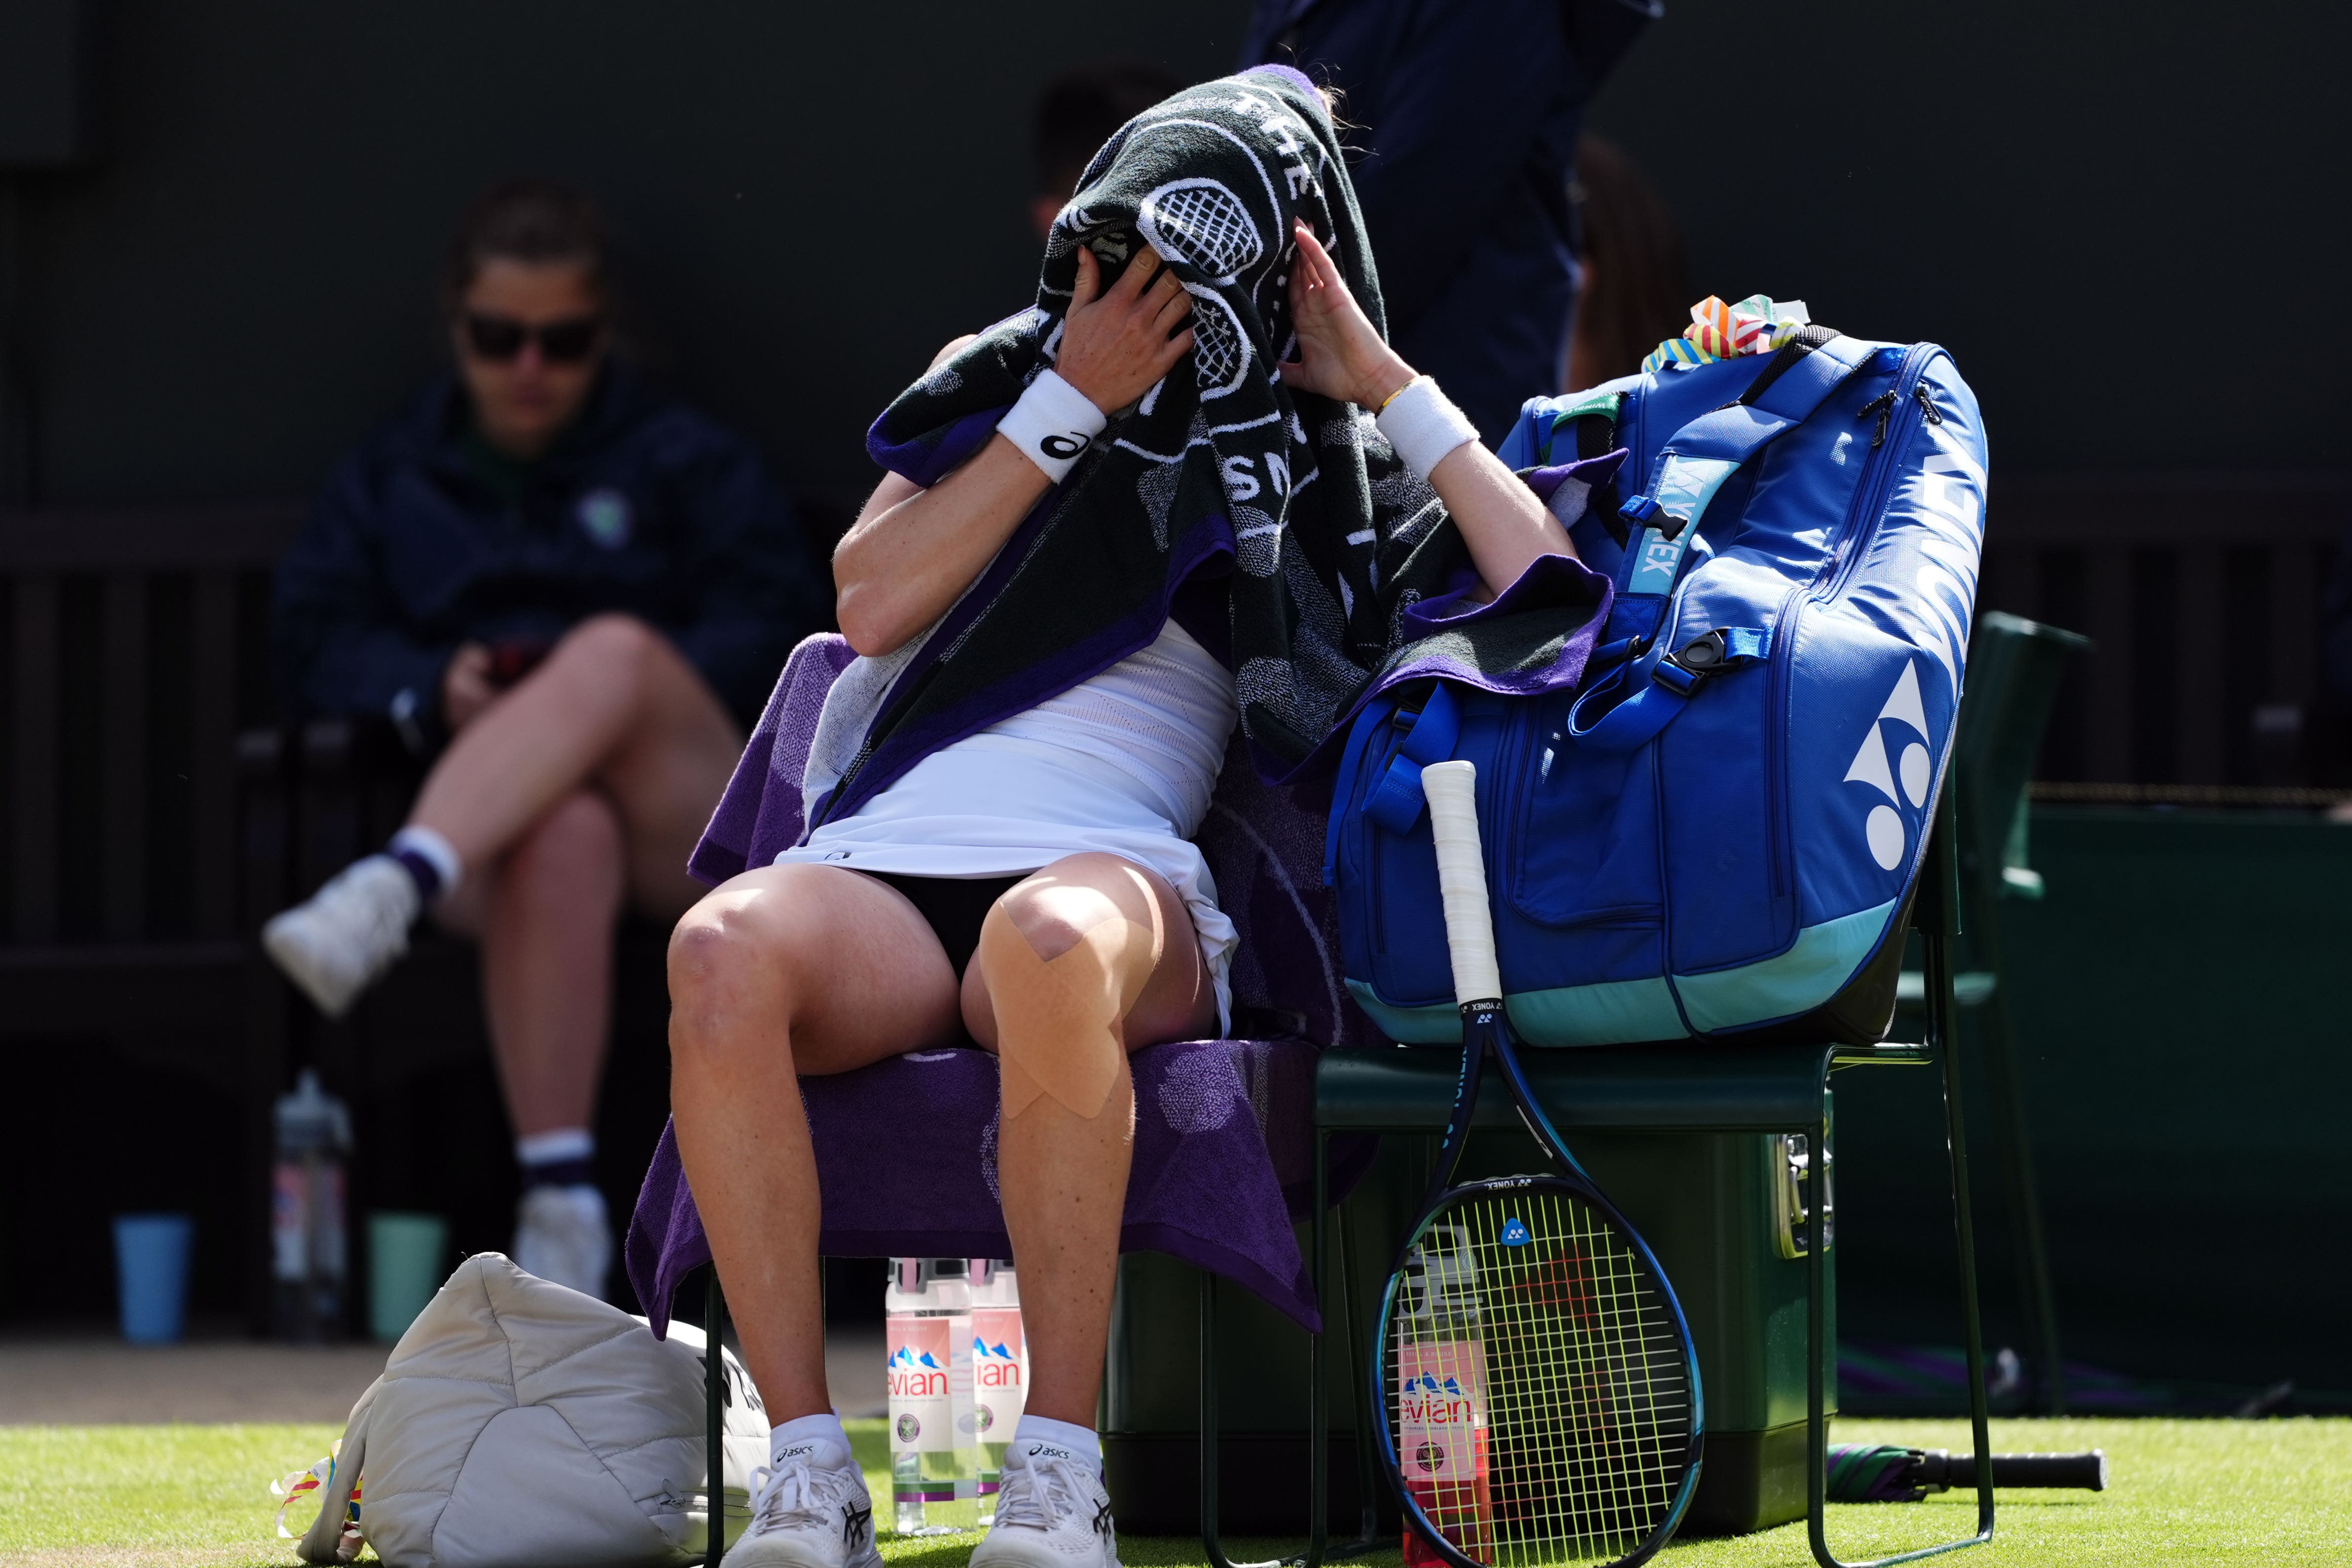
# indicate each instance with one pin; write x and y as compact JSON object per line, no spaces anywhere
{"x":1277,"y":525}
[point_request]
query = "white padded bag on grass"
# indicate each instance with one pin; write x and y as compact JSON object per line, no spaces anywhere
{"x":520,"y":1423}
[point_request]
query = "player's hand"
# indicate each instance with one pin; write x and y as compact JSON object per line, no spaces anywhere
{"x":1116,"y":345}
{"x":465,"y":687}
{"x":1339,"y":354}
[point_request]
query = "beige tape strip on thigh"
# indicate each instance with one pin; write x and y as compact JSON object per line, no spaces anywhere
{"x":1058,"y":1019}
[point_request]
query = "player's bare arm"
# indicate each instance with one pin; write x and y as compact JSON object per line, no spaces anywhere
{"x":912,"y":551}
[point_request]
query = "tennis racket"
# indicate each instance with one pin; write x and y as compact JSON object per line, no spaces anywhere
{"x":1539,"y":1389}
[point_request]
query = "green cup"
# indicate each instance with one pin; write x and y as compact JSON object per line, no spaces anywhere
{"x":407,"y":1260}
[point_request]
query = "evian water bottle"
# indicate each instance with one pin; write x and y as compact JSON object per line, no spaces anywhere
{"x":309,"y":1258}
{"x":1442,"y":1399}
{"x":934,"y":1463}
{"x":1000,"y":1370}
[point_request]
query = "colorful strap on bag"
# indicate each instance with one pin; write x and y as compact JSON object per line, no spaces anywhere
{"x":321,"y":1476}
{"x":1754,"y":326}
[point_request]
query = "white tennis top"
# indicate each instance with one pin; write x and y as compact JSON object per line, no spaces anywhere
{"x":1123,"y":762}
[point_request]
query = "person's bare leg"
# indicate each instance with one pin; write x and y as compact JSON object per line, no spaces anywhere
{"x":615,"y":703}
{"x":783,"y":971}
{"x":1063,"y":1168}
{"x":547,"y":963}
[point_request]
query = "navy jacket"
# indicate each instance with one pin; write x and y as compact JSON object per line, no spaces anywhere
{"x":1468,"y":112}
{"x":646,"y":507}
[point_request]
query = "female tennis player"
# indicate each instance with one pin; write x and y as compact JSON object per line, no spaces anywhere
{"x":1154,"y":505}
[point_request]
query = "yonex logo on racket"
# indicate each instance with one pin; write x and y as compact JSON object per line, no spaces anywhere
{"x":1515,"y":1233}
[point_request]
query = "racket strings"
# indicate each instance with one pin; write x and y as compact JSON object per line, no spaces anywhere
{"x":1582,"y":1383}
{"x":1220,"y":354}
{"x":1205,"y":225}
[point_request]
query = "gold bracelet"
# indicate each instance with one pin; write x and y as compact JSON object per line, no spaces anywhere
{"x":1392,"y":397}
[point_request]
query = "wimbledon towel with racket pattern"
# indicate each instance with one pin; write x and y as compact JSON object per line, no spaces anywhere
{"x":1277,"y":527}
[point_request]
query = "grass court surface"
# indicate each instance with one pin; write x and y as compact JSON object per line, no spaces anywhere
{"x":2198,"y":1492}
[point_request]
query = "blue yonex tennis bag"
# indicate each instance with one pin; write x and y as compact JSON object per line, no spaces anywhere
{"x":1715,"y":833}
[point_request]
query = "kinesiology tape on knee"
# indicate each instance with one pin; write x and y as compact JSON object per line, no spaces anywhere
{"x":1058,"y":1019}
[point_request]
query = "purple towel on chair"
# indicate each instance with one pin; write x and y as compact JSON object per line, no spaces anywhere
{"x":906,"y":1148}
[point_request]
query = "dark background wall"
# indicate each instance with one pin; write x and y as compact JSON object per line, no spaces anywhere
{"x":2111,"y":213}
{"x":2119,"y":217}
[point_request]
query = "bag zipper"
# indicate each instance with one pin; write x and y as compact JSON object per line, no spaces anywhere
{"x":1898,"y":409}
{"x":1776,"y":700}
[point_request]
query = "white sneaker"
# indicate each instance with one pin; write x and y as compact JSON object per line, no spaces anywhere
{"x":348,"y":935}
{"x":1051,"y":1512}
{"x":809,"y":1510}
{"x":562,"y":1234}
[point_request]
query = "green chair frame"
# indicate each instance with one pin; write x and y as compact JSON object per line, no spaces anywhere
{"x":2015,"y":666}
{"x":1747,"y":1088}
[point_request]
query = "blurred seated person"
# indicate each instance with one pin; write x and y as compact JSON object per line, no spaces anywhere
{"x":570,"y":591}
{"x":1076,"y":114}
{"x":1634,"y":289}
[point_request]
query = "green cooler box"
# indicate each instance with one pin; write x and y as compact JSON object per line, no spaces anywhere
{"x":1723,"y":1211}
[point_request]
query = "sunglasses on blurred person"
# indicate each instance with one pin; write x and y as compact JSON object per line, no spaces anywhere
{"x":500,"y":338}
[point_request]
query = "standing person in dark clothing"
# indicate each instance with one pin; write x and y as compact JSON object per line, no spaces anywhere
{"x":575,"y":590}
{"x":1466,"y":114}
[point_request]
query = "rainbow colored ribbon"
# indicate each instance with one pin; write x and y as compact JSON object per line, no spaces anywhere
{"x":1753,"y":326}
{"x":322,"y":1474}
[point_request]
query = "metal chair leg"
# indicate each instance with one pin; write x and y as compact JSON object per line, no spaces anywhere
{"x":1940,"y":1037}
{"x":714,"y":1390}
{"x":1368,"y":1480}
{"x":1319,"y":1415}
{"x":1997,"y":1040}
{"x":1211,"y":1542}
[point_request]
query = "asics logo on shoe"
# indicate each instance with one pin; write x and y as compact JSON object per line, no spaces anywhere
{"x":854,"y":1523}
{"x":1051,"y":1452}
{"x":1102,"y":1518}
{"x":798,"y":1451}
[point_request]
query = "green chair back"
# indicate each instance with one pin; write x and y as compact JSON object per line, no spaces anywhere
{"x":2014,"y":669}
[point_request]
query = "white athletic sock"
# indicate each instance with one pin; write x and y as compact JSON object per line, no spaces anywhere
{"x":562,"y":1157}
{"x":1062,"y":1433}
{"x":436,"y":853}
{"x":825,"y":1424}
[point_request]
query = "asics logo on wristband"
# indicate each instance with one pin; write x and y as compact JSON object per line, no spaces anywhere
{"x":1062,"y":447}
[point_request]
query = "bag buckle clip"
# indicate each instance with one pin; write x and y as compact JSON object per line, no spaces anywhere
{"x":1680,"y":670}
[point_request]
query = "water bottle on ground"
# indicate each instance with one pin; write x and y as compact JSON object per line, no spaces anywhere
{"x":309,"y":1254}
{"x":934,"y":1455}
{"x":1441,"y":1400}
{"x":1000,"y":1368}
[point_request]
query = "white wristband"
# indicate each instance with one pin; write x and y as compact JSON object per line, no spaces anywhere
{"x":1423,"y":425}
{"x":1051,"y":423}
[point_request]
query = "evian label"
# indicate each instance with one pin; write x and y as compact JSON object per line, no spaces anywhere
{"x":1440,"y":1404}
{"x":999,"y":1371}
{"x":1442,"y":1444}
{"x":922,"y":1400}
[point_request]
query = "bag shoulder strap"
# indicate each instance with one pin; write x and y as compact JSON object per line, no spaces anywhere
{"x":1643,"y":694}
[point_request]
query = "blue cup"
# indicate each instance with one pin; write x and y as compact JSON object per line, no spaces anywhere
{"x":151,"y":1259}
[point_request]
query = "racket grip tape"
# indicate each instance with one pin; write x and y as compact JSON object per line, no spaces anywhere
{"x":1452,"y":788}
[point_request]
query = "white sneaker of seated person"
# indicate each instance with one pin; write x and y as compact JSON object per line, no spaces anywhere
{"x":339,"y":942}
{"x":562,"y":1233}
{"x":809,"y":1510}
{"x":1051,"y":1511}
